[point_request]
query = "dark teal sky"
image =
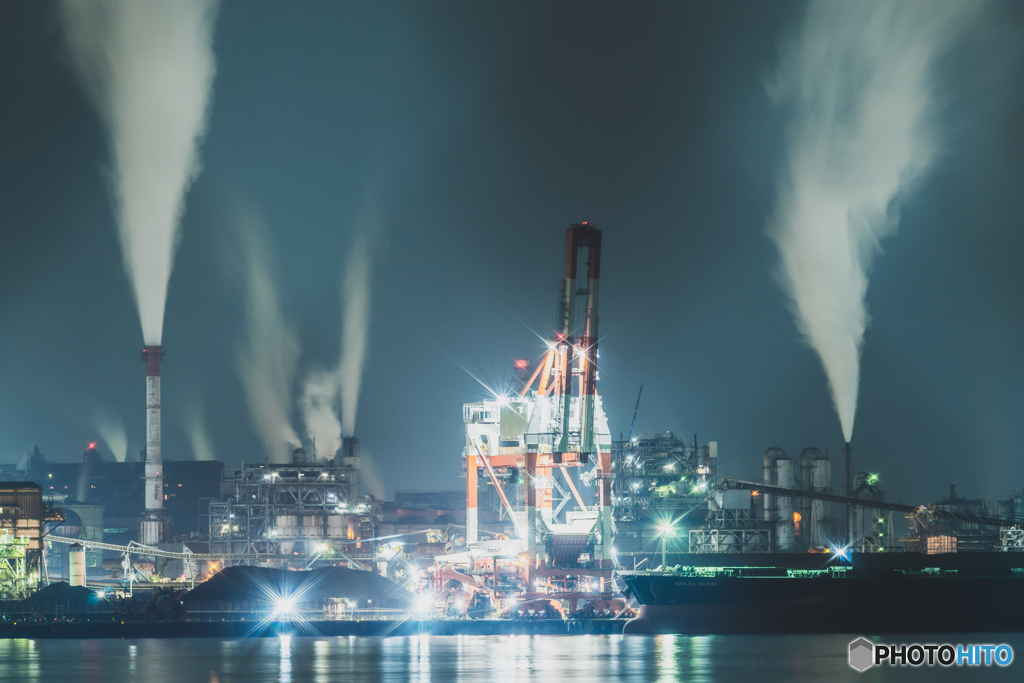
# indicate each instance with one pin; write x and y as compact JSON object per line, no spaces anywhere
{"x":478,"y":132}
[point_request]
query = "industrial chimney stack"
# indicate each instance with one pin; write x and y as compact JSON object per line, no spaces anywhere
{"x":151,"y":526}
{"x":849,"y":494}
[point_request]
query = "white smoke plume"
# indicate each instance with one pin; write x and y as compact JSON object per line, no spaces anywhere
{"x":319,"y":402}
{"x":148,"y":66}
{"x":369,"y":478}
{"x":268,"y":358}
{"x":355,"y":297}
{"x":111,"y":431}
{"x":195,"y":429}
{"x":858,"y":82}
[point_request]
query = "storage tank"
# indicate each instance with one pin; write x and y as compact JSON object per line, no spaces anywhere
{"x":770,"y":478}
{"x":336,"y":526}
{"x":287,"y":526}
{"x":784,"y":533}
{"x":310,"y":526}
{"x":76,"y":565}
{"x":821,"y":510}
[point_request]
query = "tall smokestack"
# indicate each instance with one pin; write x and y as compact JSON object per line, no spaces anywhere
{"x":151,"y":528}
{"x":849,"y":493}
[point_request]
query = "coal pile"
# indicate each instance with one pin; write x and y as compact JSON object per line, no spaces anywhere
{"x":62,"y":591}
{"x":260,"y":587}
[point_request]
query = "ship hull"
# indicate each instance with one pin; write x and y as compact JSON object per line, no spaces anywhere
{"x":872,"y":603}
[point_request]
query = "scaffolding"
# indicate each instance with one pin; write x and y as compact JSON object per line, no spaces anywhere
{"x":732,"y":531}
{"x":14,"y":578}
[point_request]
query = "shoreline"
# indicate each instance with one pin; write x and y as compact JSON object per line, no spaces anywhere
{"x":253,"y":629}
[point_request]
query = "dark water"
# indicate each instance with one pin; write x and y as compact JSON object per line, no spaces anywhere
{"x":473,"y":658}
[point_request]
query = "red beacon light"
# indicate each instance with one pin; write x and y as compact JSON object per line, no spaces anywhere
{"x":522,"y":364}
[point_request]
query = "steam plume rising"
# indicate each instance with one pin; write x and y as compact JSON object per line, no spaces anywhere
{"x":318,"y":403}
{"x":198,"y":436}
{"x":857,"y":82}
{"x":111,"y":431}
{"x":268,"y":358}
{"x":355,"y":295}
{"x":148,"y":66}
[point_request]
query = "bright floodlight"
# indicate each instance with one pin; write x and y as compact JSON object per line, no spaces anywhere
{"x":284,"y":605}
{"x":841,"y":553}
{"x":424,"y":604}
{"x":665,"y":528}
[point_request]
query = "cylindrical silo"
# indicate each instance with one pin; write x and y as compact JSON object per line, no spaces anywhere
{"x":310,"y":526}
{"x":287,"y":526}
{"x":335,"y":526}
{"x":770,"y":478}
{"x":821,"y":511}
{"x":786,"y":538}
{"x":76,"y":565}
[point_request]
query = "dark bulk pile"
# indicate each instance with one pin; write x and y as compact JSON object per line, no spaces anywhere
{"x":61,"y":591}
{"x":261,"y":587}
{"x":62,"y":596}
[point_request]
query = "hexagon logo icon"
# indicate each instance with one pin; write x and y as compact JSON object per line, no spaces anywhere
{"x":862,"y":654}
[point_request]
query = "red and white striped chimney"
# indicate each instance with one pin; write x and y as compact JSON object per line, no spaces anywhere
{"x":151,"y":526}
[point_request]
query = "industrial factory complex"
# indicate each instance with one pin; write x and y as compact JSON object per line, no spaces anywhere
{"x":554,"y":512}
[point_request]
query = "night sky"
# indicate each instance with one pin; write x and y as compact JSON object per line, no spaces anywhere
{"x":475,"y":134}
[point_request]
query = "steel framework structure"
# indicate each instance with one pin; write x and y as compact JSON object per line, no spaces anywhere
{"x":284,"y":510}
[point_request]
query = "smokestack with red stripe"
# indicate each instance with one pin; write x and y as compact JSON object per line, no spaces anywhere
{"x":151,"y":525}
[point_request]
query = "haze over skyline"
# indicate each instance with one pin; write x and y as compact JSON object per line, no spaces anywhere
{"x":475,"y":134}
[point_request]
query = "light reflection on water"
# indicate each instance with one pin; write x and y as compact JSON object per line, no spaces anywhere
{"x":285,"y":656}
{"x":550,"y":659}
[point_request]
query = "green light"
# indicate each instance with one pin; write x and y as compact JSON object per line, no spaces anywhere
{"x":872,"y":478}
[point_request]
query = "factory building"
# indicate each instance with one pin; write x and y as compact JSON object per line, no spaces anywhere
{"x":22,"y":516}
{"x":659,"y":480}
{"x":308,"y":508}
{"x":734,"y":524}
{"x":120,"y":488}
{"x":750,"y":521}
{"x":872,"y":527}
{"x":959,"y":529}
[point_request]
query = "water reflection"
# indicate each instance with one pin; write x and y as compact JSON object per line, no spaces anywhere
{"x":666,"y":649}
{"x":548,"y":659}
{"x":321,"y":665}
{"x":286,"y":659}
{"x":419,"y":659}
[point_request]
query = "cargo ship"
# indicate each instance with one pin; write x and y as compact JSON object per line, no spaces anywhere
{"x":894,"y":593}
